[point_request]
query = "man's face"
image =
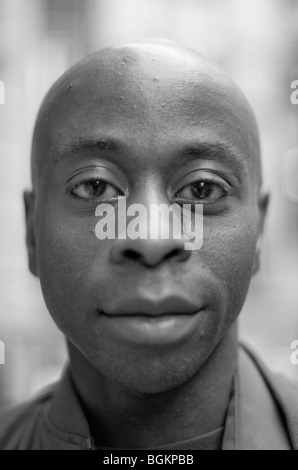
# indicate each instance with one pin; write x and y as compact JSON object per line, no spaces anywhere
{"x":156,"y":133}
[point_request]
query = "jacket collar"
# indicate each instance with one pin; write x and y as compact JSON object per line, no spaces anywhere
{"x":66,"y":419}
{"x":254,"y":420}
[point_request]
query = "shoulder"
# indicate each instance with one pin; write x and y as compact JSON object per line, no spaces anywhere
{"x":18,"y":424}
{"x":285,"y":393}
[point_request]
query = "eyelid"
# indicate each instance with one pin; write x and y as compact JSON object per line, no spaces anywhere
{"x":99,"y":172}
{"x":88,"y":177}
{"x":90,"y":168}
{"x":203,"y":174}
{"x":91,"y":199}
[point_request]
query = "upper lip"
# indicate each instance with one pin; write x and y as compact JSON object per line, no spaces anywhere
{"x":154,"y":307}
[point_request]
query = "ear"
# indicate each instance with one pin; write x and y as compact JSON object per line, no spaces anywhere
{"x":263,"y":203}
{"x":29,"y":200}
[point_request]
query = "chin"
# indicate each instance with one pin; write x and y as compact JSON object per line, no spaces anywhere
{"x":142,"y":369}
{"x":152,"y":376}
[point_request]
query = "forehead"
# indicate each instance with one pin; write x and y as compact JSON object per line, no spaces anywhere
{"x":145,"y":99}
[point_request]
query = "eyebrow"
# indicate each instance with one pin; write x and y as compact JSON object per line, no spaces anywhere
{"x":220,"y":151}
{"x":91,"y":145}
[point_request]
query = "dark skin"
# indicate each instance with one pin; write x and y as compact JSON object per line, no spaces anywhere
{"x":151,"y":121}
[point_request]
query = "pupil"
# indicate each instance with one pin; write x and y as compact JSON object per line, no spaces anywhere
{"x":203,"y":190}
{"x":97,"y":187}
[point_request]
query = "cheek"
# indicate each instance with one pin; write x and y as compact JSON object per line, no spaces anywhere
{"x":68,"y":250}
{"x":229,"y":251}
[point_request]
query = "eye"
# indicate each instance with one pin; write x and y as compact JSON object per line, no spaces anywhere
{"x":205,"y":191}
{"x":95,"y":189}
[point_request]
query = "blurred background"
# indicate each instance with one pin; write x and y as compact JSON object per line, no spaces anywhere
{"x":256,"y":41}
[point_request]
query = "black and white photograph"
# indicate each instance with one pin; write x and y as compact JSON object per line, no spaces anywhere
{"x":149,"y":227}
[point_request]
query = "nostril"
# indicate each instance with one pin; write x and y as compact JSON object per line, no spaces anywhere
{"x":133,"y":255}
{"x":174,"y":253}
{"x":148,"y":252}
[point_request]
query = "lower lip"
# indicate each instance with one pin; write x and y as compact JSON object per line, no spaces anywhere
{"x":159,"y":330}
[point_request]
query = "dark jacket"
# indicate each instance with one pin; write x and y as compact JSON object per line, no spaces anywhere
{"x":264,"y":415}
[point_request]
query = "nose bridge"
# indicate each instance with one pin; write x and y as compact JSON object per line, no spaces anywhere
{"x":160,"y":238}
{"x":153,"y":202}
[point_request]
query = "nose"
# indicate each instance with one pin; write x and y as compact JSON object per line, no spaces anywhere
{"x":149,"y":252}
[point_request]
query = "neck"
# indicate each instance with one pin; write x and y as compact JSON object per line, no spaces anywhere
{"x":122,"y":418}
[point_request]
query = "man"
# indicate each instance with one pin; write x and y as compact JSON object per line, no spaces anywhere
{"x":151,"y":327}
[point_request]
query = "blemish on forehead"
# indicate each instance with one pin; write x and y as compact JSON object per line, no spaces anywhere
{"x":126,"y":60}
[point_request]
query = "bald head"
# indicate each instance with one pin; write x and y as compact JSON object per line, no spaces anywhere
{"x":143,"y":84}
